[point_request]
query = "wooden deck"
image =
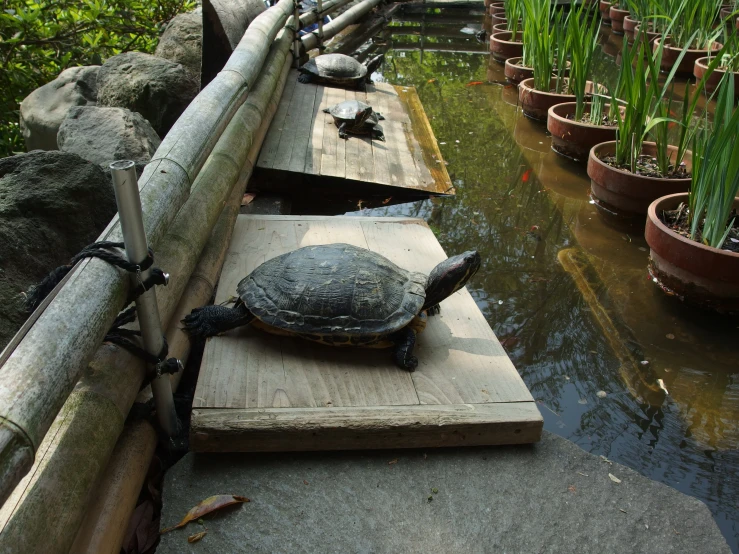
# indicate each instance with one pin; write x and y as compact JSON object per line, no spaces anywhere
{"x":260,"y":392}
{"x":303,"y":148}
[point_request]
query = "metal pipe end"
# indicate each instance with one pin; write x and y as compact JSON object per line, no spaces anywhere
{"x":120,"y":165}
{"x":166,"y":279}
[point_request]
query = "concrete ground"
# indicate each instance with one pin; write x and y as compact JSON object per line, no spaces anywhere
{"x":550,"y":497}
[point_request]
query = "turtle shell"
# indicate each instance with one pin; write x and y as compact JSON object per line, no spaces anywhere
{"x":333,"y":290}
{"x":347,"y":111}
{"x":336,"y":66}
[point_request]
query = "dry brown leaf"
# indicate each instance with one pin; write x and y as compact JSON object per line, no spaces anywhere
{"x":196,"y":537}
{"x":247,"y":198}
{"x":207,"y":506}
{"x":391,"y":462}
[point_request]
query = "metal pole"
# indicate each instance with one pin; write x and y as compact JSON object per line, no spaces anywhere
{"x":320,"y":26}
{"x":127,"y":197}
{"x":296,"y":41}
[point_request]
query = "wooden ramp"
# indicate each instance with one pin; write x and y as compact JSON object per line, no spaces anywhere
{"x":303,"y":149}
{"x":259,"y":392}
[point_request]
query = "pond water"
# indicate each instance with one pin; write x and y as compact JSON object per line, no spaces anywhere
{"x":565,"y":288}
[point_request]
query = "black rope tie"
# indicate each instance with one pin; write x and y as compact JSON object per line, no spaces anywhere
{"x":128,"y":339}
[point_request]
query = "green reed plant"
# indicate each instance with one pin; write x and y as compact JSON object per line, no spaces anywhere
{"x":581,"y":44}
{"x":715,"y":178}
{"x":538,"y":41}
{"x":694,"y":21}
{"x":513,"y":13}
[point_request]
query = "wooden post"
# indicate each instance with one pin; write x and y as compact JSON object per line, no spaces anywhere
{"x":44,"y":513}
{"x":347,"y":18}
{"x":41,"y":368}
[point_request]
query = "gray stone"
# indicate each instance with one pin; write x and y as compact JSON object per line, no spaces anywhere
{"x":549,"y":497}
{"x":224,"y":23}
{"x":182,"y":41}
{"x":158,"y":89}
{"x":45,"y":108}
{"x":103,"y":135}
{"x":52,"y":204}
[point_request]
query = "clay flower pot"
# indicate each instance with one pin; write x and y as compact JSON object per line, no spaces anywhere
{"x":699,"y":274}
{"x":502,"y":47}
{"x":671,"y":53}
{"x":497,"y":19}
{"x":617,"y":19}
{"x":651,"y":35}
{"x":605,"y":7}
{"x":503,"y":27}
{"x":497,"y":8}
{"x":573,"y":139}
{"x":630,"y":29}
{"x":700,"y":68}
{"x":536,"y":103}
{"x":516,"y":73}
{"x":624,"y":191}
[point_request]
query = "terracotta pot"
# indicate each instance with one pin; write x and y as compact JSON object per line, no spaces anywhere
{"x":536,"y":103}
{"x":516,"y":73}
{"x":498,"y":19}
{"x":503,"y":48}
{"x":651,"y":35}
{"x":605,"y":7}
{"x":700,"y":68}
{"x":624,"y":191}
{"x":573,"y":139}
{"x":617,"y":19}
{"x":671,"y":53}
{"x":630,"y":29}
{"x":497,"y":8}
{"x":700,"y":275}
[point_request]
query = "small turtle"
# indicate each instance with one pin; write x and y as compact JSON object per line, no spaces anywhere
{"x":355,"y":117}
{"x":339,"y":295}
{"x":338,"y":69}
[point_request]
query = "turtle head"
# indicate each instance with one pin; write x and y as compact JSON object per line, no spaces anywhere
{"x":450,"y":276}
{"x":362,"y":116}
{"x":373,"y":64}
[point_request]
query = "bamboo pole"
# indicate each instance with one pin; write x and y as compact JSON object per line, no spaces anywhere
{"x":350,"y":16}
{"x":104,"y":528}
{"x":45,"y":512}
{"x":312,"y":16}
{"x":42,"y":368}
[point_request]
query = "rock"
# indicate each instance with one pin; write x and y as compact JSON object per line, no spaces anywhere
{"x":45,"y":108}
{"x":52,"y":204}
{"x":158,"y":89}
{"x":224,"y":23}
{"x":182,"y":41}
{"x":103,"y":135}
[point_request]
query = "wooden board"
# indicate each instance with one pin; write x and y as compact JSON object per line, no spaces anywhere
{"x":261,"y":392}
{"x":303,"y":144}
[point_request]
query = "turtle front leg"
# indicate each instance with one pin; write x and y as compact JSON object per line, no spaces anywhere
{"x":342,"y":131}
{"x":305,"y":78}
{"x":405,"y":340}
{"x":434,"y":310}
{"x":214,"y":320}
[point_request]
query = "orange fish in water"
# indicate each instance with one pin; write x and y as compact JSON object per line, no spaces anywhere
{"x":473,"y":83}
{"x":526,"y":175}
{"x":431,"y":81}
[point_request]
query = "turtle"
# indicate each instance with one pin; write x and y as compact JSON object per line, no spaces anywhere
{"x":338,"y":69}
{"x":339,"y":295}
{"x":353,"y":116}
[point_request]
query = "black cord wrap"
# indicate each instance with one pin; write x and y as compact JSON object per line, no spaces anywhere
{"x":125,"y":338}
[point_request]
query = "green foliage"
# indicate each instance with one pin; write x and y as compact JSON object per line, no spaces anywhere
{"x":41,"y":38}
{"x":693,"y":22}
{"x":715,"y":177}
{"x":513,"y":13}
{"x":581,"y":43}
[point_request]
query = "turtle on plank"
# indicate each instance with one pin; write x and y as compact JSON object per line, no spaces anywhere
{"x":338,"y":69}
{"x":355,"y":117}
{"x":339,"y":295}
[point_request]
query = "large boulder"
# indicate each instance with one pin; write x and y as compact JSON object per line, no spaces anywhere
{"x":52,"y":204}
{"x":182,"y":41}
{"x":45,"y":108}
{"x":158,"y":89}
{"x":224,"y":23}
{"x":103,"y":135}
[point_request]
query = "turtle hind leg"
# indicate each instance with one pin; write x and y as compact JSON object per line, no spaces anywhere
{"x":379,"y":116}
{"x":213,"y":320}
{"x":405,"y":340}
{"x":378,"y":133}
{"x":305,"y":78}
{"x":342,"y":131}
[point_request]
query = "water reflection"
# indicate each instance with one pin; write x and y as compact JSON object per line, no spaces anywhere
{"x":521,"y":205}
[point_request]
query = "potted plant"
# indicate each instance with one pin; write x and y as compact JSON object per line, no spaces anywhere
{"x":694,"y":237}
{"x":728,"y":64}
{"x":509,"y":43}
{"x":577,"y":126}
{"x":629,"y":173}
{"x":605,"y":9}
{"x":617,"y":12}
{"x":693,"y":35}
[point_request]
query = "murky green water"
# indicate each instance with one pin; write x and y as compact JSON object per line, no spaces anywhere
{"x":605,"y":327}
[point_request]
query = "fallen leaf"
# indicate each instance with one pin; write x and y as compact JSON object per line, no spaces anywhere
{"x":601,"y":394}
{"x":572,"y":489}
{"x":305,"y":482}
{"x":247,"y":198}
{"x":614,"y":478}
{"x":387,"y":199}
{"x":624,"y":511}
{"x":196,"y":537}
{"x":435,"y":490}
{"x":206,"y":507}
{"x":430,"y":499}
{"x":391,"y":462}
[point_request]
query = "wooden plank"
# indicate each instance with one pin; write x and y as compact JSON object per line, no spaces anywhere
{"x":296,"y":429}
{"x":334,"y":153}
{"x":293,"y":116}
{"x":381,"y":172}
{"x":305,"y":117}
{"x":319,"y":121}
{"x":351,"y":159}
{"x":268,"y":153}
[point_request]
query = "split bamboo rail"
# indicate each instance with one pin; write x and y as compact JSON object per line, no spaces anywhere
{"x":349,"y":17}
{"x":43,"y":366}
{"x":52,"y":500}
